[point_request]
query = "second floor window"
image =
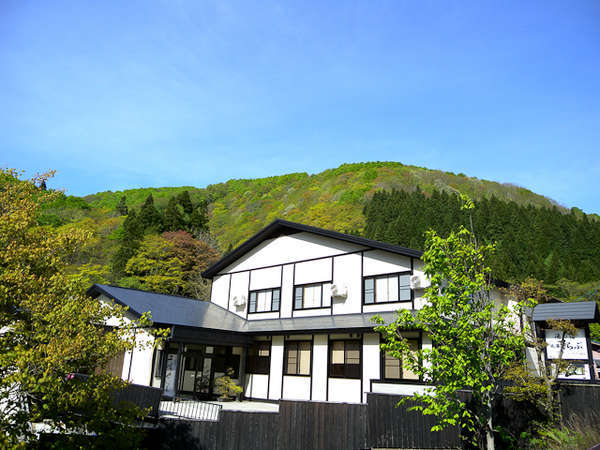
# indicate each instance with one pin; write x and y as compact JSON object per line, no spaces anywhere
{"x":265,"y":300}
{"x":387,"y":288}
{"x":310,"y":296}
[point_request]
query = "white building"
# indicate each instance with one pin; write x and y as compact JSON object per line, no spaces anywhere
{"x":290,"y":312}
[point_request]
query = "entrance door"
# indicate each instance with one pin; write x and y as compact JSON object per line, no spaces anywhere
{"x":196,"y":374}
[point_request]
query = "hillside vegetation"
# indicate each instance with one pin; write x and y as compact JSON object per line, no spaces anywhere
{"x":333,"y":199}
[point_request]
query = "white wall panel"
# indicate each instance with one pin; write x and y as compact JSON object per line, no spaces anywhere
{"x":239,"y":288}
{"x":264,"y":315}
{"x":380,"y":307}
{"x":296,"y":388}
{"x":319,"y":371}
{"x":312,"y":312}
{"x":344,"y":390}
{"x":256,"y":386}
{"x":346,"y":272}
{"x":379,"y":262}
{"x":140,"y":361}
{"x":276,"y":370}
{"x":220,"y":290}
{"x":398,"y":389}
{"x":287,"y":291}
{"x":313,"y":271}
{"x":265,"y":278}
{"x":371,"y":361}
{"x":287,"y":249}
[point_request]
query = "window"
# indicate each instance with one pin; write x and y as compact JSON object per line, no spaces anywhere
{"x":259,"y":358}
{"x":392,"y":367}
{"x":265,"y":300}
{"x":225,"y":359}
{"x":309,"y":296}
{"x":387,"y":288}
{"x":297,"y":358}
{"x":344,"y":359}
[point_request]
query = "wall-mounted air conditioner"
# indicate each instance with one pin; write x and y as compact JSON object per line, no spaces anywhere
{"x":239,"y":301}
{"x":339,"y":291}
{"x":419,"y":281}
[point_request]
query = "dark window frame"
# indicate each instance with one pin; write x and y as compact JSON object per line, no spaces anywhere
{"x":228,"y":359}
{"x":286,"y":349}
{"x":402,"y":379}
{"x":305,"y":285}
{"x":387,"y":275}
{"x":347,"y":368}
{"x":257,"y":291}
{"x":256,"y":364}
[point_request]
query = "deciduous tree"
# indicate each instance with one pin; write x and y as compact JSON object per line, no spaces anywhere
{"x":474,"y":339}
{"x":51,"y":329}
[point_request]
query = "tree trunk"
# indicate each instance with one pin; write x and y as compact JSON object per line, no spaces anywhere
{"x":489,"y":429}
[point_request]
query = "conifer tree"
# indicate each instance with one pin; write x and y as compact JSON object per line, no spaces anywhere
{"x":186,"y":203}
{"x":149,"y":217}
{"x":131,"y":237}
{"x":122,"y":206}
{"x":173,"y":219}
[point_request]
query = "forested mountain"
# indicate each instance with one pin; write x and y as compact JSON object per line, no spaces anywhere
{"x":132,"y":229}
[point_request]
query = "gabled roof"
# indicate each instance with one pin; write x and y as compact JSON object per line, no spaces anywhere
{"x":171,"y":309}
{"x":587,"y":311}
{"x":281,"y":227}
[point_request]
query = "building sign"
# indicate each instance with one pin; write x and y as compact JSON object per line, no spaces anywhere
{"x":574,"y":347}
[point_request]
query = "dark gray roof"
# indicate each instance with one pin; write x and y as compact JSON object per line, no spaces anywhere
{"x":182,"y":311}
{"x":567,"y":311}
{"x":283,"y":227}
{"x":317,"y":323}
{"x":171,"y":309}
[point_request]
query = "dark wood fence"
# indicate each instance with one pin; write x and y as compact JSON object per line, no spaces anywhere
{"x":320,"y":425}
{"x":238,"y":431}
{"x":142,"y":396}
{"x":397,"y":427}
{"x":580,"y":399}
{"x":329,"y":426}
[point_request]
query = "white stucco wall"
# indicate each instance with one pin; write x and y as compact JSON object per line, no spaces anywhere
{"x":296,"y":387}
{"x":319,"y":373}
{"x":371,"y":361}
{"x":346,"y":272}
{"x":276,"y":371}
{"x":398,"y":389}
{"x":344,"y":390}
{"x":256,"y":386}
{"x":379,"y":262}
{"x":286,"y":249}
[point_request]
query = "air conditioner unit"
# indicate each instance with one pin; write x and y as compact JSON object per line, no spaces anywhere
{"x":419,"y":281}
{"x":239,"y":301}
{"x":339,"y":291}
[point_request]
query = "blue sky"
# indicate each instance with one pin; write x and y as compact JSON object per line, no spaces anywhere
{"x":117,"y":95}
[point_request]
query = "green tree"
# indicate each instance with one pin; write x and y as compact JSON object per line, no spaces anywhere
{"x":538,"y":385}
{"x":474,"y":341}
{"x":130,"y":239}
{"x":51,"y":329}
{"x":150,"y":218}
{"x":122,"y":206}
{"x":173,"y":220}
{"x":185,"y":201}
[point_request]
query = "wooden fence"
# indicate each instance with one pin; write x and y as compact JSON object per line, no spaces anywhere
{"x":307,"y":425}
